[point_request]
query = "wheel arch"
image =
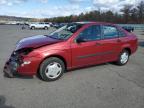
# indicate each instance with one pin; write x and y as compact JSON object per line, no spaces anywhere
{"x":32,"y":26}
{"x":57,"y":56}
{"x":128,"y":49}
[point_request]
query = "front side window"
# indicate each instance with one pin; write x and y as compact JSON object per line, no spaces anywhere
{"x":91,"y":33}
{"x":110,"y":32}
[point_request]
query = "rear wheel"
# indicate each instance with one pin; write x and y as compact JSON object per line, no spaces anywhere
{"x":123,"y":58}
{"x":32,"y":27}
{"x":45,"y":27}
{"x":52,"y":69}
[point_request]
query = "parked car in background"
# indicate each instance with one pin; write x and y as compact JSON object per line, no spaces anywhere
{"x":55,"y":25}
{"x":40,"y":25}
{"x":50,"y":23}
{"x":128,"y":28}
{"x":72,"y":46}
{"x":58,"y":25}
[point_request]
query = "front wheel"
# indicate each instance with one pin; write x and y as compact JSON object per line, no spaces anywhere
{"x":123,"y":58}
{"x":52,"y":69}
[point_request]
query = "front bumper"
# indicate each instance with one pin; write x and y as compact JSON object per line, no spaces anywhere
{"x":10,"y":69}
{"x":26,"y":66}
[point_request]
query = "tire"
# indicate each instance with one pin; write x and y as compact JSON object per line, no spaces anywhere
{"x":51,"y":69}
{"x":32,"y":27}
{"x":124,"y":54}
{"x":46,"y":28}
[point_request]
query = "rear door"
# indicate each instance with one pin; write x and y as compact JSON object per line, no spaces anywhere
{"x":110,"y":43}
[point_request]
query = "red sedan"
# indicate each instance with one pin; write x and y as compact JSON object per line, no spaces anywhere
{"x":72,"y":46}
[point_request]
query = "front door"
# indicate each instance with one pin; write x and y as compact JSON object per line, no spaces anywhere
{"x":87,"y":47}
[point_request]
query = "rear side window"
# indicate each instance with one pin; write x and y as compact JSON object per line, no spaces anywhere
{"x":110,"y":32}
{"x":121,"y":34}
{"x":91,"y":33}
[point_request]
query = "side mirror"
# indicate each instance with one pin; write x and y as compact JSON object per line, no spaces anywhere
{"x":80,"y":39}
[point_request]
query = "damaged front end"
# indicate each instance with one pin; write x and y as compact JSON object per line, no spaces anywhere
{"x":15,"y":61}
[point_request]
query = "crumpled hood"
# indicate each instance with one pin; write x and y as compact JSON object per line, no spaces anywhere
{"x":35,"y":42}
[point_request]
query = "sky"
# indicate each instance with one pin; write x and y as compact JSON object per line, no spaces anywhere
{"x":55,"y":8}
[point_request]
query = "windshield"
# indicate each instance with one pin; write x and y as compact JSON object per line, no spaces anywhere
{"x":66,"y":31}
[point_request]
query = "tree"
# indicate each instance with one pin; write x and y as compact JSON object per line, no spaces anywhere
{"x":140,"y":8}
{"x":130,"y":14}
{"x":45,"y":20}
{"x":126,"y":13}
{"x":134,"y":15}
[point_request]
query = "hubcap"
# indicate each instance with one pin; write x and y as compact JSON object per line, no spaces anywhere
{"x":124,"y":57}
{"x":53,"y":70}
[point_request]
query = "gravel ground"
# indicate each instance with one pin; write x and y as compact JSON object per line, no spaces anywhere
{"x":101,"y":86}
